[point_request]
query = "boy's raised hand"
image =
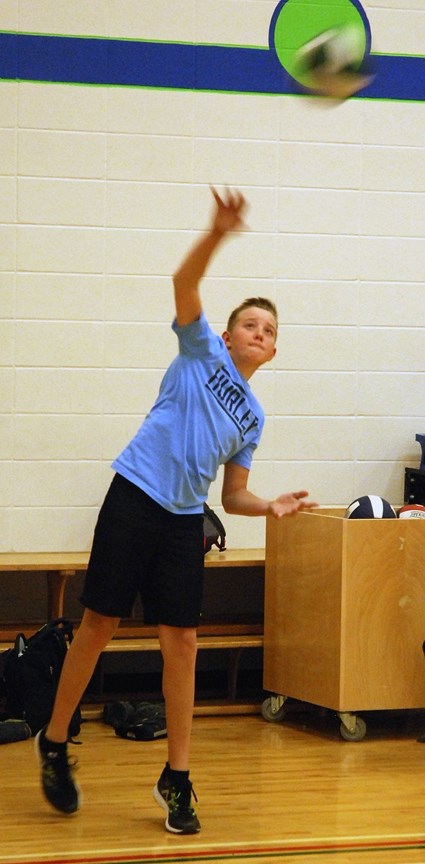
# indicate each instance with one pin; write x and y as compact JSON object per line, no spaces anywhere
{"x":229,"y":211}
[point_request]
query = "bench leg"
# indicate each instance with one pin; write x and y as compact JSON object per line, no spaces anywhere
{"x":232,"y":673}
{"x":56,"y":582}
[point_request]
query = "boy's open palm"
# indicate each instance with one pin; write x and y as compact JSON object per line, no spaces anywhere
{"x":290,"y":503}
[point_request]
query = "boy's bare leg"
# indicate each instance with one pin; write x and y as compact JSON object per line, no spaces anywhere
{"x":178,"y":646}
{"x":91,"y":637}
{"x":173,"y":791}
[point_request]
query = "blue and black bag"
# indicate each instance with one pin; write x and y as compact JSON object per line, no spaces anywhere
{"x":31,"y":671}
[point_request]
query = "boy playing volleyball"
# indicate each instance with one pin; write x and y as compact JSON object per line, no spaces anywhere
{"x":205,"y":416}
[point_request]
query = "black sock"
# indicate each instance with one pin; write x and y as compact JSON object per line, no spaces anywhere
{"x":177,"y":778}
{"x":47,"y":745}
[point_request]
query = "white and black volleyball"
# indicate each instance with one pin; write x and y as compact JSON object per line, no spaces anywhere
{"x":370,"y":507}
{"x":332,"y":64}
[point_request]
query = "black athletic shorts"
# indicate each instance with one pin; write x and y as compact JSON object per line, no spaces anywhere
{"x":139,"y":548}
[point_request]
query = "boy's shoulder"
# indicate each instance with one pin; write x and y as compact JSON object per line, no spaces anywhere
{"x":198,"y":335}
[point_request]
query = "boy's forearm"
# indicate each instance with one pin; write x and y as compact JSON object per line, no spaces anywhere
{"x":242,"y":502}
{"x":227,"y":217}
{"x":194,"y":265}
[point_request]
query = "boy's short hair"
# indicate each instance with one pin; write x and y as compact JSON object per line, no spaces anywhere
{"x":260,"y":302}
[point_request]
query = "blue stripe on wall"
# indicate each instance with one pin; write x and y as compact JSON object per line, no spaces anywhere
{"x":114,"y":62}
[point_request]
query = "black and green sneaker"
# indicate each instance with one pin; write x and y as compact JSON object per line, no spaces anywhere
{"x":58,"y":785}
{"x":176,"y":801}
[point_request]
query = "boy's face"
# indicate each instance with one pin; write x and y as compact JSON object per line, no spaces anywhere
{"x":251,"y":341}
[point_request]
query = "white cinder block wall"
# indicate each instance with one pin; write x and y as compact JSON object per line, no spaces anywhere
{"x":102,"y":189}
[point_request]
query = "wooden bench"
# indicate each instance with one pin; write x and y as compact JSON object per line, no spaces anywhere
{"x":232,"y":636}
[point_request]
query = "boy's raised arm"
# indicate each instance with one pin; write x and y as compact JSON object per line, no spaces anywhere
{"x":227,"y":216}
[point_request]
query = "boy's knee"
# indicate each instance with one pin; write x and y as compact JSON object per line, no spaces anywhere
{"x":101,"y":627}
{"x":178,"y":642}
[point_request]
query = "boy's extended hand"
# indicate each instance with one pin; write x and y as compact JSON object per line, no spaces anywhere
{"x":229,"y":213}
{"x":289,"y":504}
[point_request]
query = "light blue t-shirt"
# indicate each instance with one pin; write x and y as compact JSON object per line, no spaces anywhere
{"x":205,"y":415}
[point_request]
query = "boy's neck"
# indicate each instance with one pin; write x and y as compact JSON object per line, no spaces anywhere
{"x":247,"y":371}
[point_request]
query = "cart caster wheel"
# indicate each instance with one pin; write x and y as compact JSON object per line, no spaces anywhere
{"x":271,"y":713}
{"x":355,"y":734}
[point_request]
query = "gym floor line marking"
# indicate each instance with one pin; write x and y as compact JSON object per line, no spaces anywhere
{"x":271,"y":851}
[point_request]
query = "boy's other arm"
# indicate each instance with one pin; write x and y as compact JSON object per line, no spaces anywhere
{"x":227,"y":217}
{"x":236,"y":497}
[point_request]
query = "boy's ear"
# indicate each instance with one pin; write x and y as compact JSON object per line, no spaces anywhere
{"x":226,"y":338}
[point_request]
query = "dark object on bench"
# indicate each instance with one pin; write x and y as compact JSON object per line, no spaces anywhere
{"x":139,"y":721}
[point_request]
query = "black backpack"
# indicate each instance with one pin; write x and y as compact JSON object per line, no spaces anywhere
{"x":139,"y":721}
{"x":31,"y":671}
{"x":214,"y":532}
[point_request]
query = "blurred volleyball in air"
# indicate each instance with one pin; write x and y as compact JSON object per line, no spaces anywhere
{"x":332,"y":63}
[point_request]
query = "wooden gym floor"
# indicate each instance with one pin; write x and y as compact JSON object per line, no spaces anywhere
{"x":292,"y":791}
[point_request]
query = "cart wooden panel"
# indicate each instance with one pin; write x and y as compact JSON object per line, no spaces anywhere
{"x":345,"y":611}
